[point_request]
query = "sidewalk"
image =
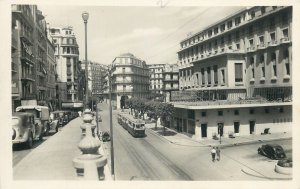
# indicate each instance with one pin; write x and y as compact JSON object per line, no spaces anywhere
{"x":181,"y":139}
{"x":53,"y":159}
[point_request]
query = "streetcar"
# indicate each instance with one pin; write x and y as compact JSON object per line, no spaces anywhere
{"x":136,"y":127}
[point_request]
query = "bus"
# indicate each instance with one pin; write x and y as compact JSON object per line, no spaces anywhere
{"x":136,"y":127}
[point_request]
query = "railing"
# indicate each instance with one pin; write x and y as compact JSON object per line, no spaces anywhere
{"x":27,"y":57}
{"x":28,"y":96}
{"x":27,"y":76}
{"x":261,"y":46}
{"x":14,"y":67}
{"x":272,"y":43}
{"x":285,"y":40}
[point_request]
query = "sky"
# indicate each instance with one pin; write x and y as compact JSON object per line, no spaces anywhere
{"x":151,"y":33}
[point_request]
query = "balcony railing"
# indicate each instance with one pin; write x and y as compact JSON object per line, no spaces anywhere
{"x":27,"y":76}
{"x":14,"y":67}
{"x":261,"y":46}
{"x":251,"y":49}
{"x":285,"y":40}
{"x":29,"y":96}
{"x":273,"y":43}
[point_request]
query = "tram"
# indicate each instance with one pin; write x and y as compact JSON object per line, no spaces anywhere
{"x":136,"y":127}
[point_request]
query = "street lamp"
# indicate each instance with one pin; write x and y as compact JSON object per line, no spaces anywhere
{"x":85,"y":17}
{"x":111,"y":127}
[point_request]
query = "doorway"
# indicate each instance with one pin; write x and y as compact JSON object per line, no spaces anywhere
{"x":123,"y":102}
{"x":252,"y":126}
{"x":236,"y":127}
{"x":220,"y":128}
{"x":203,"y":130}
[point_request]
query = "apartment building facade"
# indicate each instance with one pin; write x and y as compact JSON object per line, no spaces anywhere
{"x":30,"y":58}
{"x":235,"y":75}
{"x":130,"y":78}
{"x":170,"y":80}
{"x":68,"y":66}
{"x":156,"y":78}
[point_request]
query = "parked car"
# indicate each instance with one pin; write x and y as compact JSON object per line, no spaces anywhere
{"x":24,"y":129}
{"x":41,"y":115}
{"x":61,"y":117}
{"x":272,"y":151}
{"x":105,"y":136}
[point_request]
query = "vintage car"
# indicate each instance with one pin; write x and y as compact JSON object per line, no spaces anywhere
{"x":105,"y":136}
{"x":24,"y":129}
{"x":61,"y":117}
{"x":41,"y":115}
{"x":272,"y":151}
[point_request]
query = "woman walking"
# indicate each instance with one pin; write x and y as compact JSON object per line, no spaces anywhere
{"x":218,"y":154}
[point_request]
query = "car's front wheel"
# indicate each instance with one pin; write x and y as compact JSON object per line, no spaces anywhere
{"x":29,"y":142}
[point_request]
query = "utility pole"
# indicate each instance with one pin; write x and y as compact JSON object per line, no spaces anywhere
{"x":111,"y":128}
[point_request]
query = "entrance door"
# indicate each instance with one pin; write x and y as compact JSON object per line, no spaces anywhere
{"x":203,"y":130}
{"x":220,"y":128}
{"x":236,"y":127}
{"x":252,"y":126}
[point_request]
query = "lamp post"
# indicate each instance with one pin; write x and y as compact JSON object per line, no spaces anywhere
{"x":85,"y":17}
{"x":111,"y":127}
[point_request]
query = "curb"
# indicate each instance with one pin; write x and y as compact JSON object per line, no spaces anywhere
{"x":201,"y":144}
{"x":264,"y":177}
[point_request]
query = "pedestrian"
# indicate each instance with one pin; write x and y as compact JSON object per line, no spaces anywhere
{"x":213,"y":153}
{"x":218,"y":156}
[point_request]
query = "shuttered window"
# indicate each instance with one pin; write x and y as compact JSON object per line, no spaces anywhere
{"x":238,"y":72}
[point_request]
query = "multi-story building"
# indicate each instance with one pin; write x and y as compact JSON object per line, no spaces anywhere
{"x":51,"y":76}
{"x":68,"y":66}
{"x":236,"y":75}
{"x":96,"y":76}
{"x":40,"y":48}
{"x":130,"y":78}
{"x":22,"y":54}
{"x":170,"y":80}
{"x":156,"y":78}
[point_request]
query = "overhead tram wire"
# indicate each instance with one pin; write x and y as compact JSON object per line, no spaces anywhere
{"x":179,"y":28}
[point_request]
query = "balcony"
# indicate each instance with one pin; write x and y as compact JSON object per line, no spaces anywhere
{"x":273,"y":43}
{"x":72,"y":91}
{"x":285,"y":40}
{"x":251,"y":49}
{"x":261,"y":46}
{"x":28,"y":58}
{"x":29,"y":96}
{"x":69,"y":73}
{"x":14,"y":67}
{"x":28,"y":77}
{"x":170,"y":79}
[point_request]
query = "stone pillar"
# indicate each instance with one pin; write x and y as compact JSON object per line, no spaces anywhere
{"x":90,"y":164}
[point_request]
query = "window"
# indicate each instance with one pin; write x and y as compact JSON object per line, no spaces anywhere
{"x":220,"y":113}
{"x":262,"y":62}
{"x":272,"y":36}
{"x":285,"y":33}
{"x":238,"y":72}
{"x":191,"y":114}
{"x":267,"y":110}
{"x":216,"y":74}
{"x":237,"y":35}
{"x":237,"y":46}
{"x":287,"y":64}
{"x":229,"y":38}
{"x":123,"y":70}
{"x":223,"y":76}
{"x":229,"y":24}
{"x":208,"y":76}
{"x":252,"y":14}
{"x":222,"y":27}
{"x":252,"y":67}
{"x":251,"y":111}
{"x":261,"y":40}
{"x":209,"y":33}
{"x":237,"y":21}
{"x":273,"y":60}
{"x":263,"y":10}
{"x":202,"y":76}
{"x":222,"y":41}
{"x":203,"y":114}
{"x":236,"y":112}
{"x":216,"y":30}
{"x":281,"y":110}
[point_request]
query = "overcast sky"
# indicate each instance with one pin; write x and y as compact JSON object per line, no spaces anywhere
{"x":150,"y":33}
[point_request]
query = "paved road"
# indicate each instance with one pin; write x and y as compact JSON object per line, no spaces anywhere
{"x":153,"y":158}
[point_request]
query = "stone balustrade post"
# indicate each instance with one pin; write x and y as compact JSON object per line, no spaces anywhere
{"x":90,"y":163}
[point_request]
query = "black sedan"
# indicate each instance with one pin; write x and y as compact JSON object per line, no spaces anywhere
{"x":272,"y":151}
{"x":105,"y":137}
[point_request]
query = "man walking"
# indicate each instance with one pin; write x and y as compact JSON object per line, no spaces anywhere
{"x":213,"y":154}
{"x":218,"y":154}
